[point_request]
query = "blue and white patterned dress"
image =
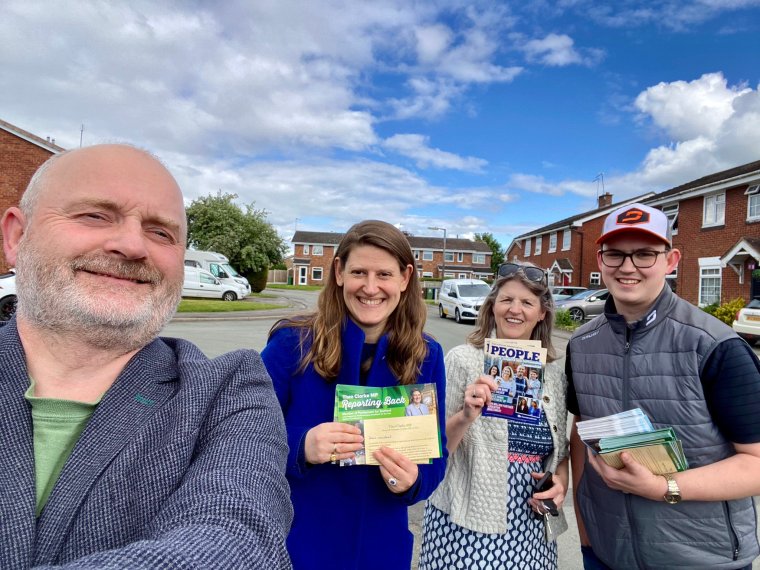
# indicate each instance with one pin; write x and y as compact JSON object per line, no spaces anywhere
{"x":450,"y":546}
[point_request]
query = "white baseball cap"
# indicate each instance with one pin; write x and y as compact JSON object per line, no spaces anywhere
{"x":636,"y":218}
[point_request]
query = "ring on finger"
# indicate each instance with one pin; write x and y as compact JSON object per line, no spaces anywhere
{"x":333,"y":457}
{"x":392,"y":481}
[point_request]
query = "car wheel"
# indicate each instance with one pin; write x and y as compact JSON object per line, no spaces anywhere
{"x":229,"y":296}
{"x":577,"y":314}
{"x":7,"y":307}
{"x":457,"y":316}
{"x":440,"y":312}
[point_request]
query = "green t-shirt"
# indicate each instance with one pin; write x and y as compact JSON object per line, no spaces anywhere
{"x":57,"y":427}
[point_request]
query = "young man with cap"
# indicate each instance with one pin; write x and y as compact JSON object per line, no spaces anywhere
{"x":683,"y":368}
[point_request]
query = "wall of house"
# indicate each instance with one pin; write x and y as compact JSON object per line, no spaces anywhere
{"x":19,"y":159}
{"x":451,"y":267}
{"x":695,"y":242}
{"x":323,"y":261}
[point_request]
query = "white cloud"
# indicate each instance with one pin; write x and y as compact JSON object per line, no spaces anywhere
{"x":432,"y":42}
{"x":686,"y":110}
{"x":559,"y":50}
{"x":417,"y":147}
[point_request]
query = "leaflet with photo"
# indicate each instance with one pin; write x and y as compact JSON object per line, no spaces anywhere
{"x":404,"y":418}
{"x":517,"y":367}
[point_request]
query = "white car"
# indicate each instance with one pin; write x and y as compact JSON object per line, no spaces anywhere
{"x":747,"y":322}
{"x":7,"y":295}
{"x":200,"y":283}
{"x":462,"y":298}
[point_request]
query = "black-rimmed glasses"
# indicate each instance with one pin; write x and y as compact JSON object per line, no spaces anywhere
{"x":535,"y":274}
{"x":641,"y":258}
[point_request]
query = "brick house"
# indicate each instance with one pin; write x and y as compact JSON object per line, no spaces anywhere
{"x":314,"y":251}
{"x":21,"y":154}
{"x":716,"y":226}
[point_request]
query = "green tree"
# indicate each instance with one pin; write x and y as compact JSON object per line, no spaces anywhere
{"x":497,"y":252}
{"x":250,"y":242}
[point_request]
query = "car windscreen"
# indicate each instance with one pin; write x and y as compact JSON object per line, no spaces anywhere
{"x":475,"y":290}
{"x":228,"y":269}
{"x":753,"y":304}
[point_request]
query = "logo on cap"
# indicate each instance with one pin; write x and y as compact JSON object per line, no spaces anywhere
{"x":633,"y":216}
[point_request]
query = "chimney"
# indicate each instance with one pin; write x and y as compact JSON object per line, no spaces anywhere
{"x":605,"y":200}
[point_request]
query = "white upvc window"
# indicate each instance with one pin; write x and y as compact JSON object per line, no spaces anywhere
{"x":306,"y":249}
{"x":539,"y":239}
{"x":552,"y":242}
{"x":317,"y":250}
{"x":753,"y":203}
{"x":316,"y":274}
{"x":527,"y":247}
{"x":427,"y":274}
{"x":463,"y":276}
{"x":595,"y":279}
{"x":566,"y":239}
{"x":479,"y":258}
{"x":714,"y":213}
{"x":427,"y":256}
{"x":709,"y":280}
{"x":449,"y":257}
{"x":417,"y":254}
{"x":460,"y":257}
{"x":672,"y":213}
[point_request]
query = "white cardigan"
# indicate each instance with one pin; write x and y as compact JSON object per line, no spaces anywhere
{"x":474,"y":490}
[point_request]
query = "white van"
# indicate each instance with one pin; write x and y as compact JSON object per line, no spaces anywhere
{"x":218,"y":265}
{"x":462,"y":298}
{"x":200,"y":283}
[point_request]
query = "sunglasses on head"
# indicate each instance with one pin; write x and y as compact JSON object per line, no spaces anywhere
{"x":531,"y":273}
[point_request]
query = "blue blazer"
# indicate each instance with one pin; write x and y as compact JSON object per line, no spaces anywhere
{"x":345,"y":517}
{"x":180,"y":466}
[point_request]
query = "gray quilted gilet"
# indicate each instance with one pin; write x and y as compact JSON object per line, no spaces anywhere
{"x":655,"y":365}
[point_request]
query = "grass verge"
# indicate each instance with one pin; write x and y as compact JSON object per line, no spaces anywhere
{"x":294,"y":287}
{"x":218,"y":306}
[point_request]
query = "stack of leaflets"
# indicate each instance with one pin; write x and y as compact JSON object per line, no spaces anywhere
{"x":660,"y":450}
{"x":517,"y":367}
{"x":404,"y":418}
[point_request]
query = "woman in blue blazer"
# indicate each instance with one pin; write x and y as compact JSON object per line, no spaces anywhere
{"x":367,"y":330}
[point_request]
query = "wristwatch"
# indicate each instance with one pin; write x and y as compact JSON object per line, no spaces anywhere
{"x":673,"y":496}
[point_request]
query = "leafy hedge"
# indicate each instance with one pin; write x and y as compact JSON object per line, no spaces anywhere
{"x":725,"y":312}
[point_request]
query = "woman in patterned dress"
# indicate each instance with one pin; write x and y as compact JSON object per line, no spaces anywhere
{"x":484,"y":513}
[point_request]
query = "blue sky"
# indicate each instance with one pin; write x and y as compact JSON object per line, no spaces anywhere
{"x":470,"y":115}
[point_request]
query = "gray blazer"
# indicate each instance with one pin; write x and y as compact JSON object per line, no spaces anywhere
{"x":182,"y":465}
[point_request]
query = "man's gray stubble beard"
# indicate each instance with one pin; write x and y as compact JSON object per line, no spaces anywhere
{"x":50,"y":299}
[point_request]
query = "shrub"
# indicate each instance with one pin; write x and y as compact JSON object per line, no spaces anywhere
{"x":562,"y":319}
{"x":710,"y":309}
{"x":727,"y":311}
{"x":258,"y":280}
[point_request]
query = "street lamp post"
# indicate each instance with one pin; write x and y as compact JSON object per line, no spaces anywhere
{"x":443,"y":262}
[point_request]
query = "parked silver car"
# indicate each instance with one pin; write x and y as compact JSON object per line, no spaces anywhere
{"x":7,"y":295}
{"x":747,"y":322}
{"x":585,"y":305}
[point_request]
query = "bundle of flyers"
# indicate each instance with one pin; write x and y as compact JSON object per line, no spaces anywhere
{"x":404,"y":418}
{"x":517,"y":367}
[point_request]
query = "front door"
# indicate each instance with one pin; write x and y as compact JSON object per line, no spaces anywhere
{"x":302,"y":273}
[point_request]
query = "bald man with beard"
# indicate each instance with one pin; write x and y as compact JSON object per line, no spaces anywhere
{"x":122,"y":449}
